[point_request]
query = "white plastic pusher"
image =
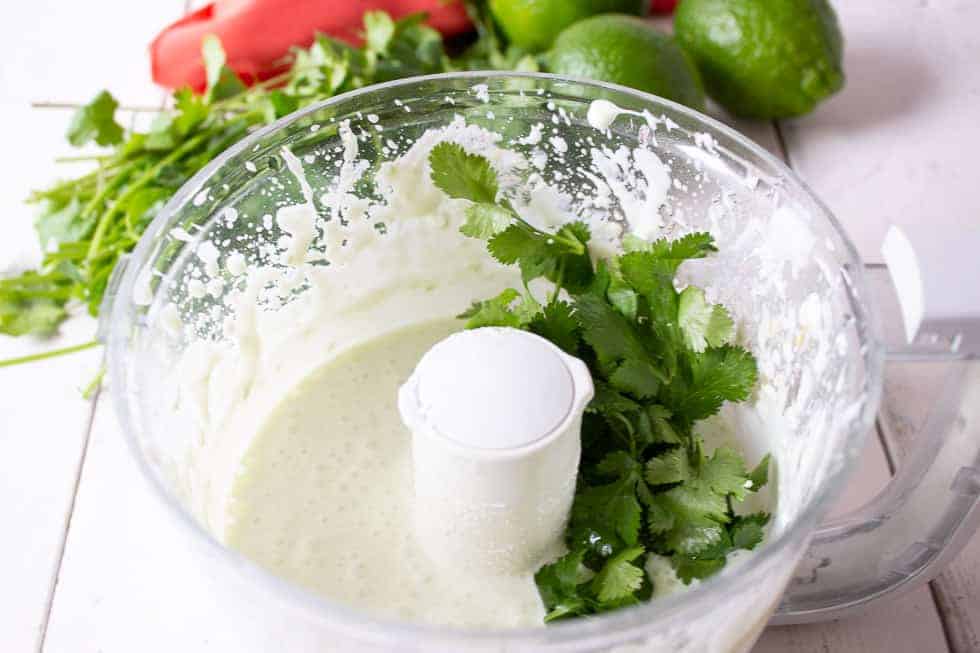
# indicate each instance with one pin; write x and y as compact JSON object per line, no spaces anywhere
{"x":495,"y":415}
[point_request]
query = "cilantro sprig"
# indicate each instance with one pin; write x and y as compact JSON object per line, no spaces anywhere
{"x":661,"y":360}
{"x":86,"y":224}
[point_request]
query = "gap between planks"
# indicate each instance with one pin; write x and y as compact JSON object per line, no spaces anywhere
{"x":53,"y":585}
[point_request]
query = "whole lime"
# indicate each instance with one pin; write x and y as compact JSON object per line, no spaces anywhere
{"x":534,"y":24}
{"x":764,"y":59}
{"x":628,"y":51}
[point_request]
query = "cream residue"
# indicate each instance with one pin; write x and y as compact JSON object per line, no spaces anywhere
{"x":298,"y":220}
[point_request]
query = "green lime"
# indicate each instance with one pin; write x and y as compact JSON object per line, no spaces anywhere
{"x":534,"y":24}
{"x":628,"y":51}
{"x":764,"y":59}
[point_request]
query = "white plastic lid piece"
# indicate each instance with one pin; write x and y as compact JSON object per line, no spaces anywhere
{"x":493,"y":388}
{"x":936,"y":279}
{"x":496,"y":417}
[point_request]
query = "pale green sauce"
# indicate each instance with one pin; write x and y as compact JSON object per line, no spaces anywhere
{"x":324,"y":498}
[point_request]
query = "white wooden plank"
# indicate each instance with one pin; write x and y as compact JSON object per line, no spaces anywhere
{"x":898,"y":144}
{"x":43,"y":417}
{"x":43,"y":425}
{"x":68,"y":51}
{"x":893,"y":628}
{"x":957,"y":592}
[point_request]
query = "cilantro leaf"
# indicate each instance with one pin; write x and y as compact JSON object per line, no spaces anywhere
{"x":654,"y":281}
{"x":462,"y":175}
{"x":692,"y":246}
{"x":619,"y":578}
{"x":566,"y":589}
{"x":191,"y":111}
{"x":612,"y":507}
{"x":759,"y":476}
{"x":161,"y":135}
{"x":672,"y":466}
{"x":701,"y":323}
{"x":557,"y":324}
{"x":748,"y":531}
{"x":704,"y":551}
{"x":660,"y":519}
{"x":701,"y":538}
{"x":689,"y":569}
{"x":622,"y":296}
{"x":608,"y":401}
{"x":96,"y":121}
{"x":66,"y":224}
{"x":413,"y":49}
{"x":485,"y":221}
{"x":694,"y":501}
{"x":517,"y":243}
{"x":609,"y":333}
{"x":379,"y":29}
{"x":637,"y":377}
{"x":571,"y":606}
{"x":561,"y":257}
{"x":725,"y":472}
{"x":618,"y":464}
{"x":720,"y":374}
{"x":647,"y":274}
{"x":38,"y":316}
{"x":33,"y":303}
{"x":558,"y":583}
{"x":222,"y":82}
{"x":663,"y":430}
{"x":493,"y":312}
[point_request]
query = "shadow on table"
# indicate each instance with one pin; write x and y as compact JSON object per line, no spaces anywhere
{"x":883,"y":84}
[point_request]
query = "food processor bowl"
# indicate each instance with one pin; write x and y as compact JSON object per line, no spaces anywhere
{"x":793,"y":280}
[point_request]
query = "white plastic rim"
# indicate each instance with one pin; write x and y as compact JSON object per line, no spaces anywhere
{"x":496,"y":420}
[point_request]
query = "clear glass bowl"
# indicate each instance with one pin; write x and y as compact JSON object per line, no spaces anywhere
{"x":782,"y":257}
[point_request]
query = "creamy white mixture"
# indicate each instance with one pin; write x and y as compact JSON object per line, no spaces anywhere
{"x":291,"y":411}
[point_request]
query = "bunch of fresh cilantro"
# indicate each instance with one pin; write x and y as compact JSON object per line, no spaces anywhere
{"x":85,"y":224}
{"x":661,"y":361}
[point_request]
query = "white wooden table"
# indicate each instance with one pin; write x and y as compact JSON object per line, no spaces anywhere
{"x":89,"y":561}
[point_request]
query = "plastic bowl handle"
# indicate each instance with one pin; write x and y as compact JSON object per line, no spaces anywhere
{"x":930,"y":509}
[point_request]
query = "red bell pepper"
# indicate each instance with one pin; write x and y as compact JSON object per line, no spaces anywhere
{"x":662,"y":6}
{"x":256,"y":34}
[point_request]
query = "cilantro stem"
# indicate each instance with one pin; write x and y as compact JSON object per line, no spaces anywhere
{"x":244,"y":98}
{"x":140,"y":182}
{"x":83,"y":157}
{"x":51,"y":353}
{"x":105,"y":189}
{"x":558,"y":282}
{"x":94,"y":384}
{"x":576,"y":246}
